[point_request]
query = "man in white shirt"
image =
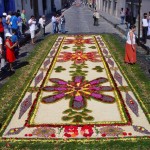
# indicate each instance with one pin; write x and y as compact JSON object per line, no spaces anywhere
{"x":42,"y":25}
{"x":144,"y":28}
{"x":54,"y":23}
{"x":32,"y":23}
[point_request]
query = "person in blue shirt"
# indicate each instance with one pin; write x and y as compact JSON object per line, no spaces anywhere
{"x":14,"y":39}
{"x":14,"y":22}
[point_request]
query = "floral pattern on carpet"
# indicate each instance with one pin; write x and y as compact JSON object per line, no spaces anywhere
{"x":79,"y":92}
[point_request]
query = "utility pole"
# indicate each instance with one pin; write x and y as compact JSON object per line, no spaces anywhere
{"x":139,"y":20}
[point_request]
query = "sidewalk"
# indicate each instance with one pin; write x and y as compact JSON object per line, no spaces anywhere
{"x":122,"y":28}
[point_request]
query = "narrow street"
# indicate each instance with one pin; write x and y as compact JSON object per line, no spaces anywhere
{"x":80,"y":20}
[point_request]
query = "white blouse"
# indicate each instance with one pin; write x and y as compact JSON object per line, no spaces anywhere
{"x":129,"y":39}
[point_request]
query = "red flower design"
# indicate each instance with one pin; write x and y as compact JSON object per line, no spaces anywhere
{"x":124,"y":133}
{"x":103,"y":135}
{"x":79,"y":41}
{"x":79,"y":57}
{"x":87,"y":131}
{"x":71,"y":131}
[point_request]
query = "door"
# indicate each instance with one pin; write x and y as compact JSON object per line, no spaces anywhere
{"x":35,"y":8}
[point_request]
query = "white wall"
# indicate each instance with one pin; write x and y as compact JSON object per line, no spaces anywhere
{"x":28,"y":9}
{"x":145,"y":6}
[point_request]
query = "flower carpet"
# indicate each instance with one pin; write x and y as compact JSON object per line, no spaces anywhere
{"x":79,"y":92}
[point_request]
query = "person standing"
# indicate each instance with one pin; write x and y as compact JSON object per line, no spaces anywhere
{"x":10,"y":54}
{"x":14,"y":39}
{"x":62,"y":23}
{"x":8,"y":21}
{"x":144,"y":28}
{"x":96,"y":18}
{"x":19,"y":24}
{"x":130,"y":49}
{"x":57,"y":23}
{"x":42,"y":25}
{"x":1,"y":30}
{"x":1,"y":53}
{"x":148,"y":33}
{"x":54,"y":23}
{"x":14,"y":22}
{"x":32,"y":23}
{"x":127,"y":17}
{"x":5,"y":23}
{"x":2,"y":56}
{"x":122,"y":15}
{"x":24,"y":21}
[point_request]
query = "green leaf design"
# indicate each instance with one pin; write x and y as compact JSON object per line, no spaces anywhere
{"x":66,"y":47}
{"x":98,"y":69}
{"x":66,"y":118}
{"x":87,"y":110}
{"x":59,"y":69}
{"x":79,"y":71}
{"x":84,"y":114}
{"x":96,"y":130}
{"x":89,"y":118}
{"x":77,"y":118}
{"x":67,"y":111}
{"x":92,"y":47}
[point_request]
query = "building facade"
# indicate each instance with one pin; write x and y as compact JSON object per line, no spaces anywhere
{"x":113,"y":7}
{"x":34,"y":7}
{"x":6,"y":5}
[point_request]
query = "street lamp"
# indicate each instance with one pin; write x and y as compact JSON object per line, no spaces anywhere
{"x":139,"y":18}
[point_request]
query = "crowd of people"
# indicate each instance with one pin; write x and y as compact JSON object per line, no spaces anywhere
{"x":58,"y":23}
{"x":128,"y":19}
{"x":130,"y":49}
{"x":13,"y":27}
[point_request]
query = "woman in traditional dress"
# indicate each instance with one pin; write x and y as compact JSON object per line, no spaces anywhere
{"x":130,"y":49}
{"x":10,"y":54}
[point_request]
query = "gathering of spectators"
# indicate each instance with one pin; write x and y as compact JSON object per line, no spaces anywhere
{"x":58,"y":23}
{"x":13,"y":27}
{"x":10,"y":32}
{"x":130,"y":19}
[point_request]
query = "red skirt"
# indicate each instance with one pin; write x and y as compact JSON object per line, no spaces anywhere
{"x":10,"y":55}
{"x":130,"y":54}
